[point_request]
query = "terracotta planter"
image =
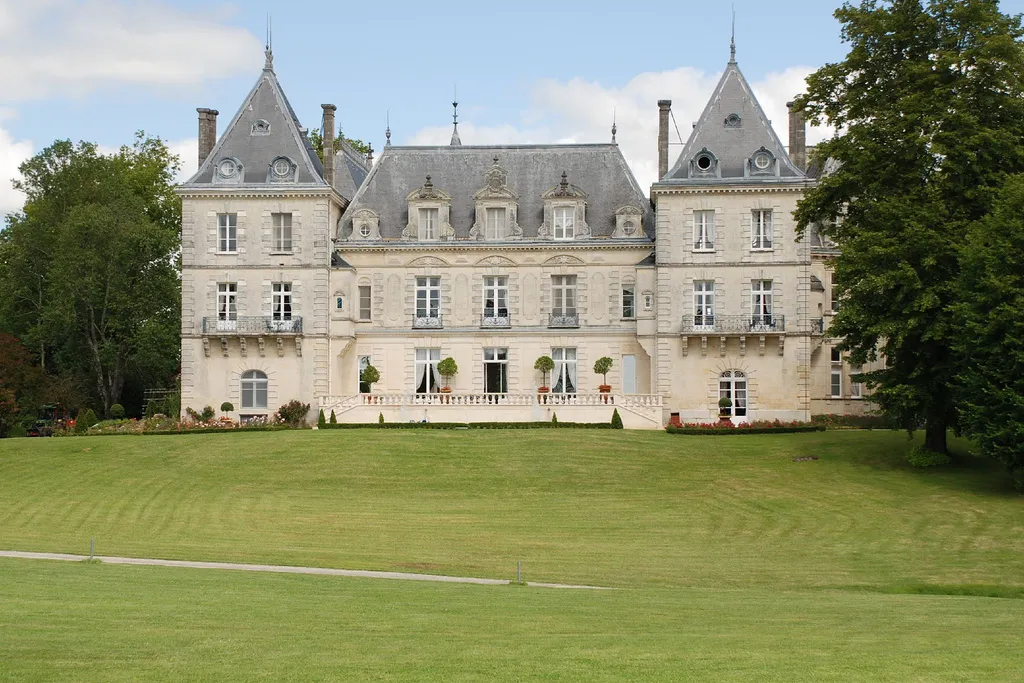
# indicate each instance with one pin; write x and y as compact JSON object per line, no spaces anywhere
{"x":445,"y":390}
{"x":605,"y":388}
{"x":543,"y":390}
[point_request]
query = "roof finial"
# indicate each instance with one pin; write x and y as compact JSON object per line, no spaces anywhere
{"x":614,"y":128}
{"x":455,"y":117}
{"x":732,"y":43}
{"x":268,"y":65}
{"x":387,"y":131}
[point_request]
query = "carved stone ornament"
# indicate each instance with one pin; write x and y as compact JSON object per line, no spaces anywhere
{"x":565,"y":194}
{"x":426,"y":262}
{"x":495,"y":194}
{"x":564,"y":260}
{"x":564,"y":189}
{"x":496,"y":261}
{"x":629,"y":222}
{"x":429,"y":197}
{"x":495,"y":186}
{"x":365,"y":225}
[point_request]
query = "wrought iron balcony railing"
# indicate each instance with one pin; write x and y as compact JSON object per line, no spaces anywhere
{"x":733,"y":324}
{"x":254,"y":325}
{"x":430,"y":321}
{"x":496,"y":318}
{"x":564,"y":319}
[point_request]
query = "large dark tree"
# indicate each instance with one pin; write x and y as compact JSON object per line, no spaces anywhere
{"x":88,"y":273}
{"x":929,"y":105}
{"x":991,"y":392}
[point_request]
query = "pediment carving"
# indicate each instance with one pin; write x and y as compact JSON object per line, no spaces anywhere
{"x":427,"y":261}
{"x":496,"y":261}
{"x":564,"y":260}
{"x":428,"y":192}
{"x":564,"y":189}
{"x":496,"y":186}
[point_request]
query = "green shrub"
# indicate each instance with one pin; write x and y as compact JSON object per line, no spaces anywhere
{"x":616,"y":420}
{"x":293,"y":413}
{"x":554,"y":418}
{"x":853,"y":421}
{"x":208,"y":413}
{"x":919,"y":456}
{"x":193,"y":415}
{"x":321,"y":421}
{"x":226,"y":407}
{"x":380,"y":418}
{"x":152,"y":408}
{"x":370,"y":376}
{"x":447,"y":368}
{"x":86,"y":419}
{"x":117,"y":411}
{"x":17,"y":431}
{"x":725,"y":402}
{"x":333,"y":420}
{"x":601,"y":367}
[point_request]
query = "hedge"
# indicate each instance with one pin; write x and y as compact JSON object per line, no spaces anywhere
{"x":727,"y":431}
{"x":835,"y":421}
{"x":470,"y":425}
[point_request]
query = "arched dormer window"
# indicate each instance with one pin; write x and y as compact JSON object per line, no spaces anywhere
{"x":762,"y":163}
{"x":429,"y":214}
{"x":282,"y":170}
{"x":705,"y":165}
{"x":497,"y":208}
{"x":565,"y":212}
{"x":228,"y":171}
{"x":629,"y":222}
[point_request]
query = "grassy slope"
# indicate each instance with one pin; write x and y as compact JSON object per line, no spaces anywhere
{"x":611,"y":508}
{"x":102,"y":622}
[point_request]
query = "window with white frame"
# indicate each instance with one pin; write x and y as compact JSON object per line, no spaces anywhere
{"x":834,"y":291}
{"x":365,"y":302}
{"x":733,"y":386}
{"x":496,"y":224}
{"x":428,"y":379}
{"x":704,"y":230}
{"x":564,"y":374}
{"x":762,"y":229}
{"x":428,"y":297}
{"x":565,"y":222}
{"x":495,"y":371}
{"x":704,"y":304}
{"x":364,"y":362}
{"x":563,"y":295}
{"x":282,"y":231}
{"x":428,"y":223}
{"x":837,"y":383}
{"x":227,"y":303}
{"x":629,"y":302}
{"x":761,"y":301}
{"x":837,"y":356}
{"x":495,"y":296}
{"x":856,"y":388}
{"x":227,"y":233}
{"x":254,"y":390}
{"x":281,"y":301}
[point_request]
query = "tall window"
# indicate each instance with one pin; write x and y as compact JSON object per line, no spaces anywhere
{"x":495,"y":226}
{"x":564,"y":374}
{"x":282,"y":231}
{"x":761,"y":303}
{"x":428,"y":379}
{"x":282,"y":301}
{"x":856,"y":388}
{"x":704,"y":304}
{"x":495,"y":371}
{"x":495,"y":297}
{"x":563,"y":295}
{"x":837,"y":383}
{"x":428,"y":224}
{"x":565,"y":222}
{"x":704,"y":230}
{"x":762,"y":229}
{"x":733,"y":386}
{"x":629,"y":302}
{"x":837,"y":356}
{"x":365,"y":302}
{"x":428,"y":297}
{"x":227,"y":233}
{"x":254,"y":390}
{"x":834,"y":292}
{"x":364,"y":362}
{"x":227,"y":305}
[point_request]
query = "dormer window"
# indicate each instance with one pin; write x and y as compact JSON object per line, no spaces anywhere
{"x":565,"y":224}
{"x":365,"y":225}
{"x":496,"y":208}
{"x":429,"y":211}
{"x":762,"y":162}
{"x":260,"y":127}
{"x":496,"y":223}
{"x":628,"y":222}
{"x":282,"y":170}
{"x":565,"y":211}
{"x":428,"y":224}
{"x":733,"y":121}
{"x":704,"y":164}
{"x":228,"y":171}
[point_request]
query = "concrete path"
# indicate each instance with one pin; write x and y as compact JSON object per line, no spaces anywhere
{"x":282,"y":569}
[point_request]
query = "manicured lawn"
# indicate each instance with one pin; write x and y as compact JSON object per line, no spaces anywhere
{"x":733,"y":562}
{"x":78,"y":621}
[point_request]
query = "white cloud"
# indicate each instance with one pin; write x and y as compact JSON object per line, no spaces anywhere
{"x":70,"y":47}
{"x":188,"y":153}
{"x":581,"y":111}
{"x":12,"y":153}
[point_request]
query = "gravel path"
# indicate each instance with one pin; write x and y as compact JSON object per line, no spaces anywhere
{"x":282,"y":569}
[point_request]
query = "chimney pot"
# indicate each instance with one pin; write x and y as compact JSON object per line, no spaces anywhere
{"x":207,"y":132}
{"x":664,"y":110}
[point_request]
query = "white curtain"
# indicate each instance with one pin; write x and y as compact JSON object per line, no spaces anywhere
{"x":435,"y":376}
{"x":421,"y":375}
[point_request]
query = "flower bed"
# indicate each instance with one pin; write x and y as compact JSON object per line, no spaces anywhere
{"x":161,"y":424}
{"x":756,"y":427}
{"x":469,"y":425}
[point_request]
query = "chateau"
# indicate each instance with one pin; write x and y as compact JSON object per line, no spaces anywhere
{"x":297,"y":274}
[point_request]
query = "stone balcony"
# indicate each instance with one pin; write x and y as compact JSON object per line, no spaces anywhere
{"x":725,"y":327}
{"x":252,"y":326}
{"x":564,"y":320}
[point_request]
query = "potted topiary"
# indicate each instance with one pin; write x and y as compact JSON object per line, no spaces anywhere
{"x":545,"y":364}
{"x":601,"y":367}
{"x":226,"y":407}
{"x":725,"y":409}
{"x":447,"y":368}
{"x":370,"y":376}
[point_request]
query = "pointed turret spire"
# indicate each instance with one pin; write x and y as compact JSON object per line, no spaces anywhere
{"x":268,"y":52}
{"x":455,"y":120}
{"x":732,"y":43}
{"x":387,"y":131}
{"x":614,"y":128}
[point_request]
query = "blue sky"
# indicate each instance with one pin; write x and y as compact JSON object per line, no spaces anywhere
{"x":526,"y":71}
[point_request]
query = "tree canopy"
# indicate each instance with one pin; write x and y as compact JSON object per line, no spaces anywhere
{"x":318,"y":143}
{"x":929,"y":105}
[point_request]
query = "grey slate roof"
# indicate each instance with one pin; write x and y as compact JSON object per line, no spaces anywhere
{"x":350,"y":170}
{"x":733,"y":145}
{"x":265,"y":102}
{"x":598,"y":169}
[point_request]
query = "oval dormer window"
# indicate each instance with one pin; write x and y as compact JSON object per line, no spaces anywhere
{"x":364,"y":229}
{"x":705,"y":162}
{"x":227,"y":168}
{"x":762,"y":161}
{"x":282,"y":168}
{"x":629,"y":227}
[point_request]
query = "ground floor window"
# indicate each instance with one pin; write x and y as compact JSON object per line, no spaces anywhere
{"x":254,"y":389}
{"x":364,"y":362}
{"x":495,"y":371}
{"x":565,"y":370}
{"x":733,"y":386}
{"x":837,"y":384}
{"x":428,"y":379}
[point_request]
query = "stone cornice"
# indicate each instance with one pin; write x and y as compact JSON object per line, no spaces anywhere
{"x":731,"y":189}
{"x":733,"y":264}
{"x":548,"y":245}
{"x":260,"y":192}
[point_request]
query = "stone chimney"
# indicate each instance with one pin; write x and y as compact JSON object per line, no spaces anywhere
{"x":664,"y":109}
{"x":207,"y":132}
{"x":797,"y":137}
{"x":329,"y":110}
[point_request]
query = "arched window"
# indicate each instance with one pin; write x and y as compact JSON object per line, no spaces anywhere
{"x":733,"y":386}
{"x":254,"y":389}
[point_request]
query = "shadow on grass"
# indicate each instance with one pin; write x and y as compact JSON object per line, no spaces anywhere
{"x":963,"y":590}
